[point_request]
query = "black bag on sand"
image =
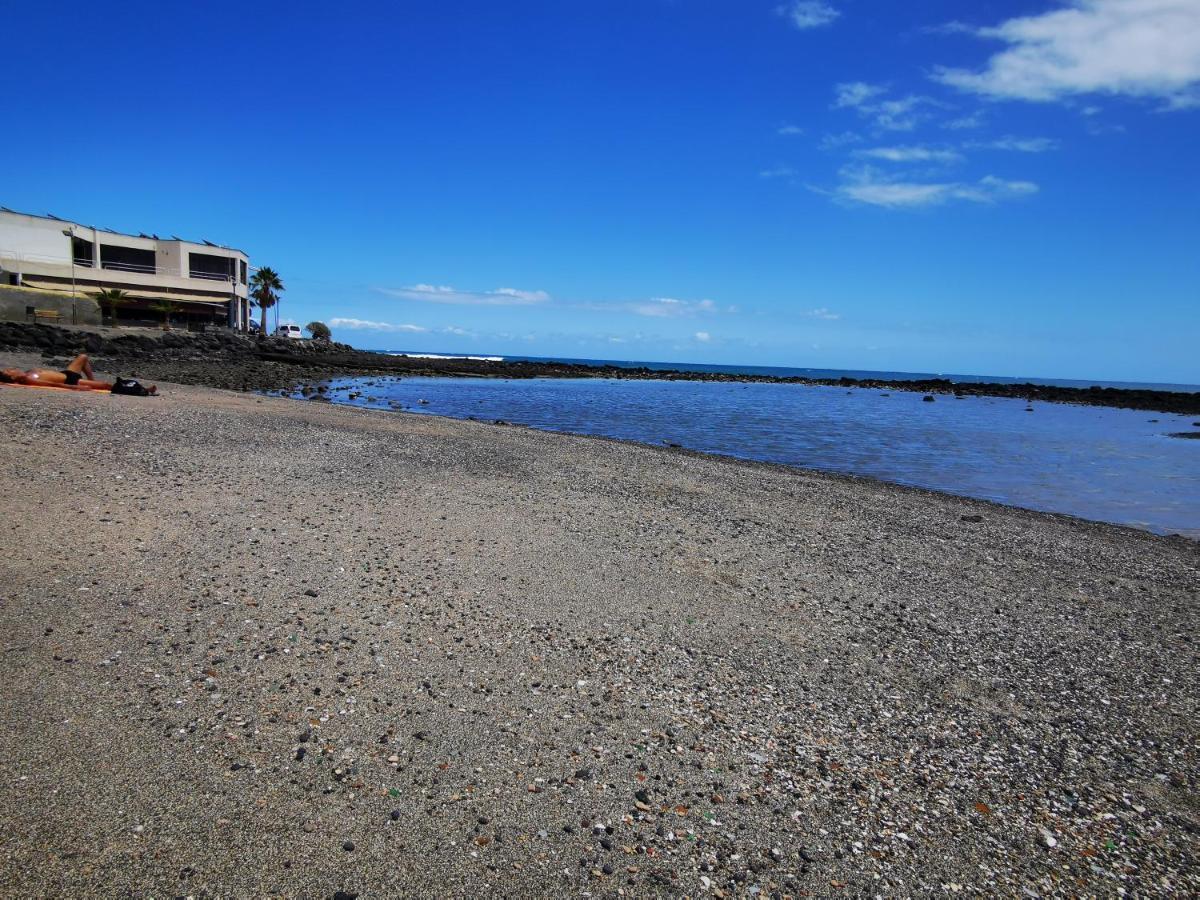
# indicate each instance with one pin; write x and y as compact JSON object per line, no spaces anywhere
{"x":129,"y":386}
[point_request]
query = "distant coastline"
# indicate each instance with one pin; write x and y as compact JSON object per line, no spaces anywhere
{"x":812,"y":372}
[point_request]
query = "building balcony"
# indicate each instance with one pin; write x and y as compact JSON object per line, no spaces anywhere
{"x":127,"y":275}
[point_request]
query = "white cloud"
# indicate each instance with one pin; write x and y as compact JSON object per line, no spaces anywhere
{"x":1020,"y":145}
{"x":855,"y":93}
{"x":962,"y":123}
{"x":894,"y":194}
{"x":870,"y":186}
{"x":911,"y":154}
{"x":658,"y":307}
{"x":1184,"y":100}
{"x":1140,"y":48}
{"x":458,"y":332}
{"x":823,"y":313}
{"x":990,"y":188}
{"x":900,"y":114}
{"x":669,"y":307}
{"x":428,"y":293}
{"x":703,"y":337}
{"x":778,"y":172}
{"x":952,"y":27}
{"x":897,"y":115}
{"x":837,"y":141}
{"x":523,"y":296}
{"x":806,"y":14}
{"x":789,"y":129}
{"x":367,"y":325}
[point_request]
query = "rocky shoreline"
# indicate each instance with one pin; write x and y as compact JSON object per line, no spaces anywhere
{"x":225,"y":360}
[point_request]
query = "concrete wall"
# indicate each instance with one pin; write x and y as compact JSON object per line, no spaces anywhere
{"x":13,"y":302}
{"x":171,"y":258}
{"x":29,"y":236}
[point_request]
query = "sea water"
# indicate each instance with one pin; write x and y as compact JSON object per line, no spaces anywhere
{"x":1111,"y":465}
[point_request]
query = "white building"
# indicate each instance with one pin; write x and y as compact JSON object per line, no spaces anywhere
{"x":206,"y":282}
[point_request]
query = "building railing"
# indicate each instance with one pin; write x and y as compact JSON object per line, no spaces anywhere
{"x":12,"y":261}
{"x":132,"y":267}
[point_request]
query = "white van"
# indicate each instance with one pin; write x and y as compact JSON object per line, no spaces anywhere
{"x":289,"y":331}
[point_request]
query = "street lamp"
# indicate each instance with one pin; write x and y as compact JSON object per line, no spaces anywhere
{"x":70,"y":232}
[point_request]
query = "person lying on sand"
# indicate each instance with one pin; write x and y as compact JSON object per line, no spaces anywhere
{"x":78,"y":375}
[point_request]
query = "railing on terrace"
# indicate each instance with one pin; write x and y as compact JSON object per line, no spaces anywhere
{"x":12,"y":261}
{"x":132,"y":267}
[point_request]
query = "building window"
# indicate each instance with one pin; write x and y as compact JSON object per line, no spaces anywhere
{"x":127,"y":259}
{"x":210,"y":267}
{"x":242,"y":265}
{"x":81,"y":251}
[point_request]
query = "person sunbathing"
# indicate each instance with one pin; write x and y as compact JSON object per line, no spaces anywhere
{"x":78,"y":375}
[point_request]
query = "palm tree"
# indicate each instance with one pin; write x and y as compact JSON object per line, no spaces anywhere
{"x":112,"y":298}
{"x":166,"y":307}
{"x":265,"y":288}
{"x":265,"y":300}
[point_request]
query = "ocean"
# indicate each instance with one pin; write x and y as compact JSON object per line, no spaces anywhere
{"x":1110,"y":465}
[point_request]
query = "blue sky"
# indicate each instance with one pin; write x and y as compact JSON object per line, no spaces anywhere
{"x":996,"y":187}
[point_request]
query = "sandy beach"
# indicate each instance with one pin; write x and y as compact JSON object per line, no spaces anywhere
{"x":257,"y":646}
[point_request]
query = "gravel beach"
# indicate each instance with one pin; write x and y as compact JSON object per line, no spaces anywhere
{"x":264,"y":647}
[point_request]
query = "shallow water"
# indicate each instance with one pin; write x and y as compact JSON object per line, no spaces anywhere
{"x":1111,"y":465}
